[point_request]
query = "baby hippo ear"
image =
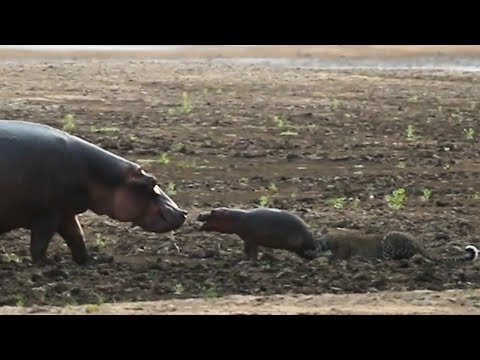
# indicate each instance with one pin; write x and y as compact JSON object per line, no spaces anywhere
{"x":138,"y":177}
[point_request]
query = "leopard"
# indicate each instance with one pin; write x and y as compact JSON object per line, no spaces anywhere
{"x":392,"y":245}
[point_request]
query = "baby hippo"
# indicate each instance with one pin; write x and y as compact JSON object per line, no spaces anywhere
{"x":271,"y":228}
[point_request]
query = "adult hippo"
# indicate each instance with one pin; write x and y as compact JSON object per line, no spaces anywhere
{"x":47,"y":177}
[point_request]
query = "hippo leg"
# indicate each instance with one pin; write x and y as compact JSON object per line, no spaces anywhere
{"x":251,"y":250}
{"x":71,"y":231}
{"x":41,"y":233}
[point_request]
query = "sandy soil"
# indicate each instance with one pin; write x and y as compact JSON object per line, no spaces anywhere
{"x":301,"y":139}
{"x":273,"y":51}
{"x":420,"y":302}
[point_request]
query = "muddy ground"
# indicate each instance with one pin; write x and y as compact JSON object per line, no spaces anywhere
{"x":327,"y":145}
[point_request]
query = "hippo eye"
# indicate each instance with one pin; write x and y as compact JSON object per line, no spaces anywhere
{"x":141,"y":188}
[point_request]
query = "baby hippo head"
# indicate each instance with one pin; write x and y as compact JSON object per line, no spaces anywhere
{"x":220,"y":219}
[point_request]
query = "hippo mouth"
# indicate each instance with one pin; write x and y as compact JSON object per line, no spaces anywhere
{"x":167,"y":217}
{"x":203,"y":217}
{"x":168,"y":220}
{"x":173,"y":217}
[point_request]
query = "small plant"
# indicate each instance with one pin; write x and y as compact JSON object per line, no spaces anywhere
{"x":171,"y":189}
{"x":69,"y":123}
{"x":11,"y":258}
{"x":341,"y":202}
{"x":470,"y":134}
{"x":92,"y":308}
{"x":186,"y":104}
{"x":20,"y":301}
{"x":397,"y":199}
{"x":99,"y":240}
{"x":279,"y":122}
{"x":178,"y":289}
{"x":426,"y":194}
{"x":163,"y":159}
{"x":402,"y":164}
{"x":273,"y":187}
{"x":210,"y":292}
{"x":338,"y":202}
{"x":100,"y":299}
{"x":265,"y":201}
{"x":411,"y":132}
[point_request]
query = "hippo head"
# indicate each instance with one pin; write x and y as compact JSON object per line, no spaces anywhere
{"x":213,"y":219}
{"x":138,"y":199}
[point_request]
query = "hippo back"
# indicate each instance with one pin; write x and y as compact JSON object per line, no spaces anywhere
{"x":37,"y":166}
{"x":45,"y":169}
{"x":32,"y":153}
{"x":273,"y":222}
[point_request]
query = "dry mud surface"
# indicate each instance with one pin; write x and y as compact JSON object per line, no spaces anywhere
{"x":18,"y":52}
{"x":421,"y":302}
{"x":298,"y":138}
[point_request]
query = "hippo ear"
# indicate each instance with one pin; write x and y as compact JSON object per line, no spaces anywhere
{"x":138,"y":177}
